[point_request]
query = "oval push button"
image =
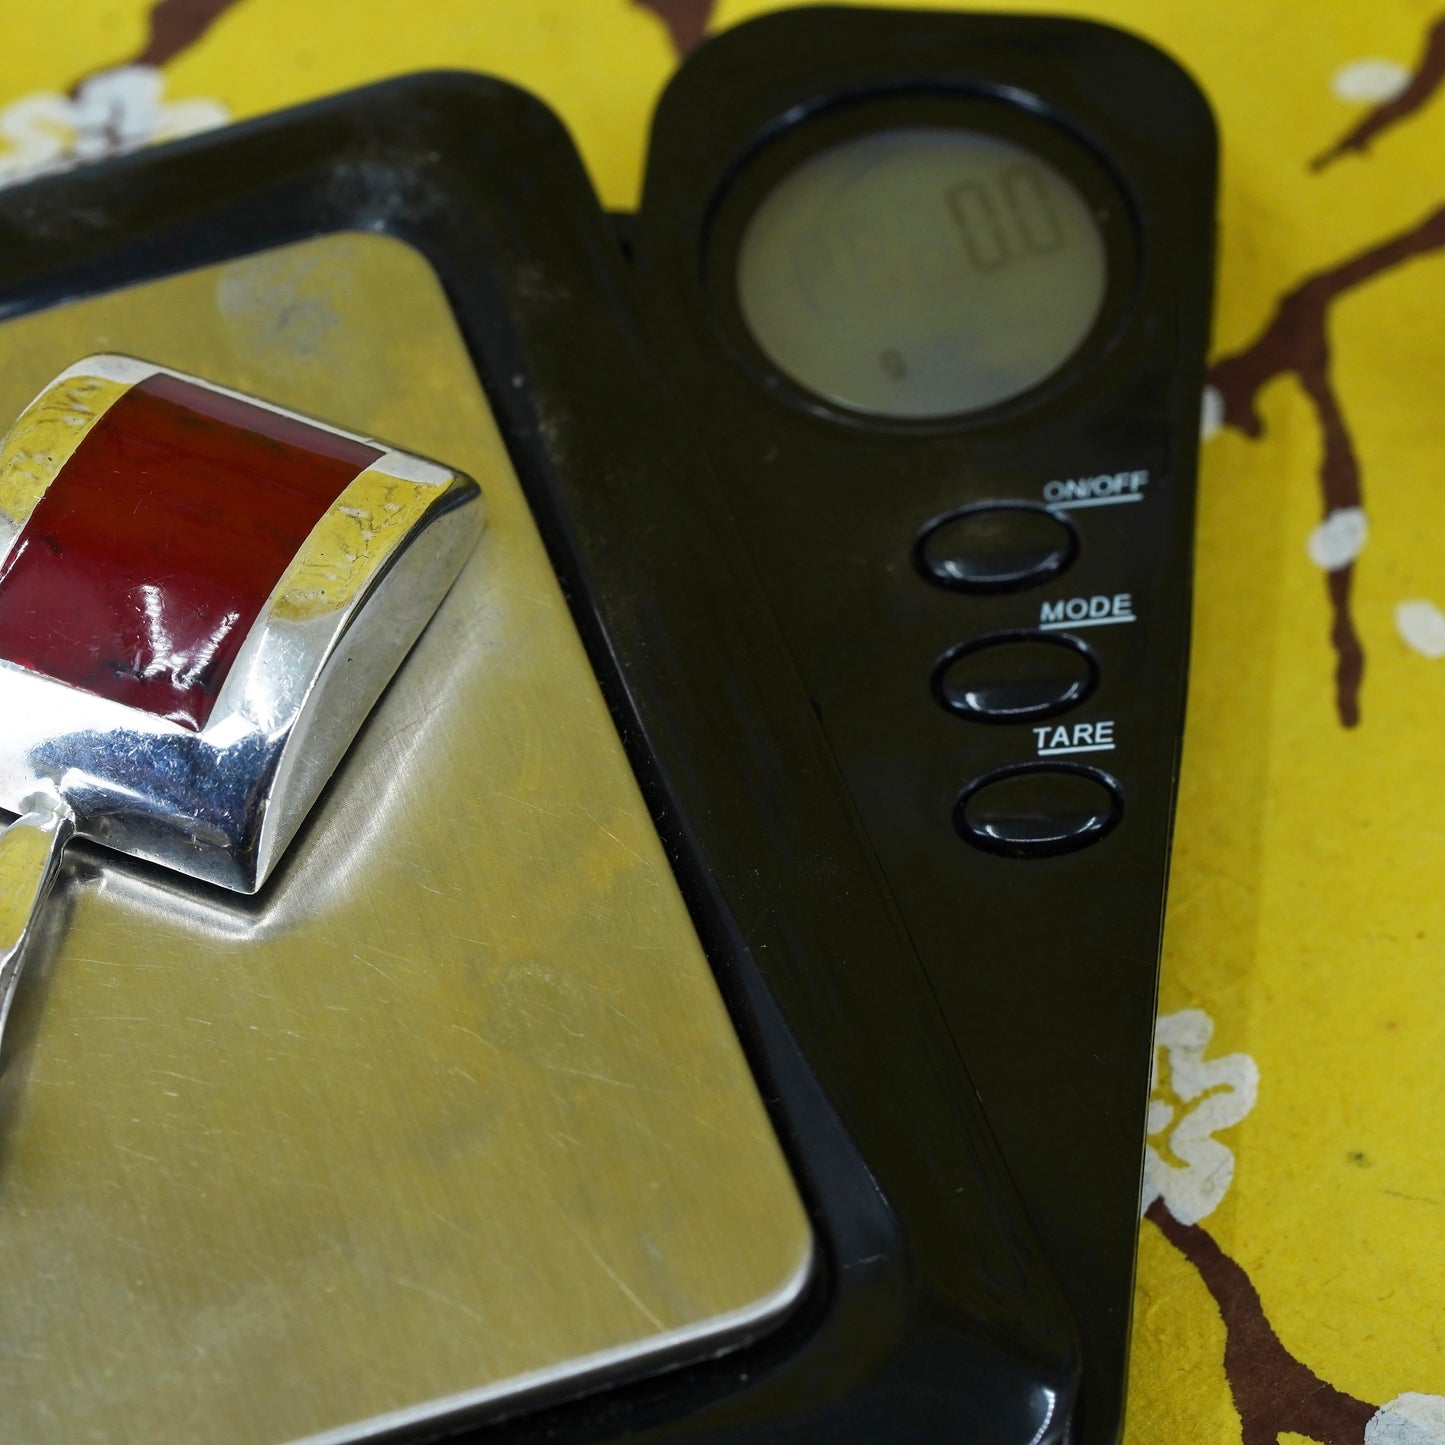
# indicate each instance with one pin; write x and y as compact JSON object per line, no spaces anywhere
{"x":1014,"y":676}
{"x":996,"y":547}
{"x":1036,"y":810}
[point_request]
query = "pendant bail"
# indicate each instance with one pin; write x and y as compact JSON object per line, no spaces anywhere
{"x":30,"y":851}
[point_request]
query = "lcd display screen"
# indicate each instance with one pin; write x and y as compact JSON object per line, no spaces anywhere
{"x":922,"y":272}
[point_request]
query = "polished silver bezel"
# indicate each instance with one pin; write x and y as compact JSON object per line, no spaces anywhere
{"x":221,"y":804}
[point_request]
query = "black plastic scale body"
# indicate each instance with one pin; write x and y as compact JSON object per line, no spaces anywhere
{"x":864,"y":998}
{"x":989,"y":608}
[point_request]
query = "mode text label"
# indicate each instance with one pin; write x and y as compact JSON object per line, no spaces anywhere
{"x":1097,"y":611}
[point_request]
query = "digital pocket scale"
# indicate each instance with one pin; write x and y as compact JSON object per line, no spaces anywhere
{"x":794,"y":757}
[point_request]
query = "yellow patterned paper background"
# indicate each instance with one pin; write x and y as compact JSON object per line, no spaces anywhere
{"x":1292,"y":1285}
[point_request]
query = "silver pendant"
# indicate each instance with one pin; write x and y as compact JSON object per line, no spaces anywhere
{"x":201,"y":597}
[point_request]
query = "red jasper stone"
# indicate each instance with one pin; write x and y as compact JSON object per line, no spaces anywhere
{"x":150,"y":555}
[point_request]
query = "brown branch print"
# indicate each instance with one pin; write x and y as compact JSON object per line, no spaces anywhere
{"x":1296,"y":340}
{"x":1429,"y":74}
{"x":176,"y":25}
{"x":1272,"y":1390}
{"x":173,"y":27}
{"x":686,"y":20}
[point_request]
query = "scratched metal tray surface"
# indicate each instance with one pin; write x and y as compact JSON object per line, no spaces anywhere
{"x":453,"y":1111}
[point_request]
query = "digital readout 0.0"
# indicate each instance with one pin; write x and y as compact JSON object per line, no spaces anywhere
{"x":1009,"y":219}
{"x":917,"y":272}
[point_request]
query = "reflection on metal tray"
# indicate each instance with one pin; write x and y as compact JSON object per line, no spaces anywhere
{"x":453,"y":1109}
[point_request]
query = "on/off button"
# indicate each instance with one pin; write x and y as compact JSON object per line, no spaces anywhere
{"x":996,"y":547}
{"x":1037,"y":810}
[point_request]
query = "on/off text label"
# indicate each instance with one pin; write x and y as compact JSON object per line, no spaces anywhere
{"x":1106,"y":490}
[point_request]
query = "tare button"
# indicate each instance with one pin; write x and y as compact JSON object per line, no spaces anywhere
{"x":1079,"y":737}
{"x":1036,"y":810}
{"x":1097,"y":611}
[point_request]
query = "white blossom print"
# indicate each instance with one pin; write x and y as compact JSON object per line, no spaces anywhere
{"x":1337,"y":541}
{"x":1409,"y":1419}
{"x":112,"y":112}
{"x":1211,"y":413}
{"x":1191,"y":1098}
{"x":1421,"y":626}
{"x":1370,"y":81}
